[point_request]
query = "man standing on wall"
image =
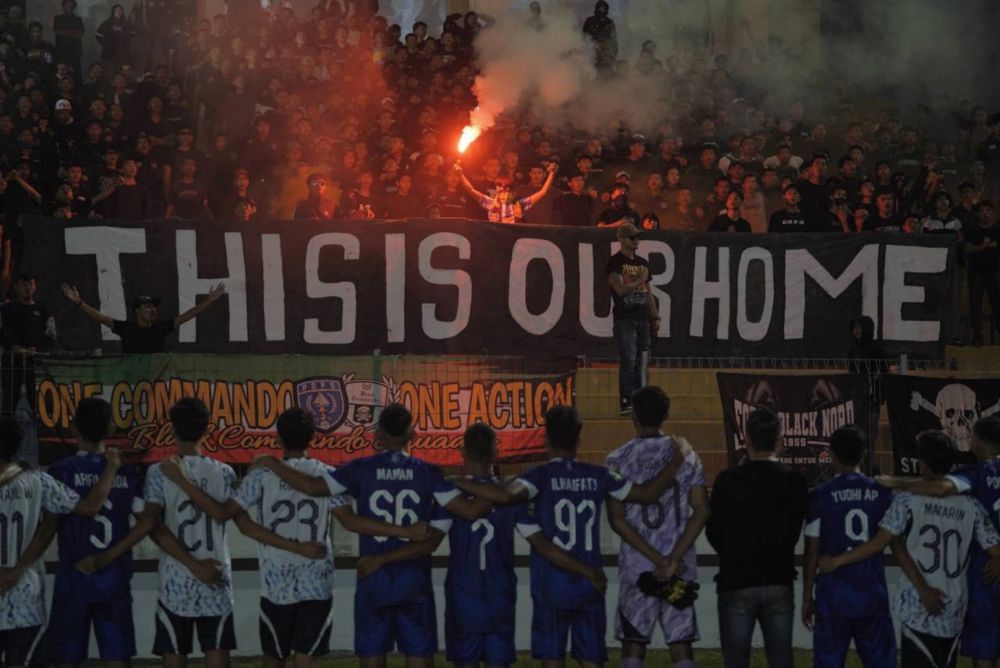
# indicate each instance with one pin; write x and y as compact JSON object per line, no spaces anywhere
{"x":635,"y":315}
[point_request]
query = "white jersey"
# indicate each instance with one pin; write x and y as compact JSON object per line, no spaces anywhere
{"x":286,"y":577}
{"x":180,"y":591}
{"x":22,"y":501}
{"x":938,"y":533}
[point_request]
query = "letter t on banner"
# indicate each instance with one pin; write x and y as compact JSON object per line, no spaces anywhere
{"x":190,"y":285}
{"x":107,"y":245}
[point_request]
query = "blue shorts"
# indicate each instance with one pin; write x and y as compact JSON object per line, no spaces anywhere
{"x":874,"y":637}
{"x":552,"y":627}
{"x":68,"y":635}
{"x":981,"y":635}
{"x":410,"y":628}
{"x":466,"y":647}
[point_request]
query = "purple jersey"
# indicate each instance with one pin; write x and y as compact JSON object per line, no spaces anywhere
{"x":81,"y":537}
{"x":844,"y":512}
{"x":662,"y":523}
{"x":402,"y":490}
{"x":568,"y":496}
{"x":982,"y":481}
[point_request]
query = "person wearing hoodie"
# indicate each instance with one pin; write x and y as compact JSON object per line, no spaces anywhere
{"x":600,"y":28}
{"x":115,"y":37}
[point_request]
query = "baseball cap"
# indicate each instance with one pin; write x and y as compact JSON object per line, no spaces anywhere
{"x":628,"y":230}
{"x":63,"y":104}
{"x":638,"y":139}
{"x":143,"y":300}
{"x":620,"y":174}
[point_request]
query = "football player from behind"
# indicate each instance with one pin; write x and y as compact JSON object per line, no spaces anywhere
{"x":853,"y":601}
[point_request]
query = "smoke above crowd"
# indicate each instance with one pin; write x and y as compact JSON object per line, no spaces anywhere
{"x":866,"y":57}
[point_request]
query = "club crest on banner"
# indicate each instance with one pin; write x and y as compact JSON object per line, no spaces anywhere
{"x":325,"y":399}
{"x":366,"y":399}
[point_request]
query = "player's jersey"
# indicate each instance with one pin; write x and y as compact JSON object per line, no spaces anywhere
{"x":396,"y":488}
{"x":568,"y":496}
{"x":81,"y":537}
{"x":939,"y":533}
{"x":983,"y":482}
{"x":662,"y":523}
{"x":22,"y":501}
{"x":481,"y":588}
{"x":286,"y":577}
{"x":845,"y":512}
{"x":180,"y":591}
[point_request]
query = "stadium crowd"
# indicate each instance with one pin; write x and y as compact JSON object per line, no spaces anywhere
{"x":339,"y":115}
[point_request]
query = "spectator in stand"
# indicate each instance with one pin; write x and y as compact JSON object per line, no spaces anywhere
{"x":316,"y":206}
{"x":146,"y":334}
{"x":620,"y":211}
{"x":115,"y":38}
{"x":715,"y":203}
{"x":701,"y":178}
{"x":885,"y":219}
{"x":68,"y":29}
{"x":685,"y":217}
{"x":126,"y":199}
{"x":188,"y":198}
{"x":403,"y":203}
{"x":815,"y":191}
{"x":966,"y":209}
{"x":784,"y":163}
{"x":505,"y":207}
{"x":730,"y":220}
{"x":541,"y":212}
{"x":576,"y":207}
{"x":982,"y":252}
{"x":789,"y":219}
{"x":941,"y":220}
{"x":26,"y":328}
{"x":601,"y":29}
{"x":753,"y":209}
{"x":838,"y":218}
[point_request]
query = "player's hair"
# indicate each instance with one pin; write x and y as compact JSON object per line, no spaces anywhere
{"x":563,"y":427}
{"x":296,"y":429}
{"x":987,"y":430}
{"x":651,"y":406}
{"x":93,"y":419}
{"x":764,"y":430}
{"x":10,"y":440}
{"x":395,"y":420}
{"x":189,"y":417}
{"x":848,"y":445}
{"x":478,"y":441}
{"x":936,"y":449}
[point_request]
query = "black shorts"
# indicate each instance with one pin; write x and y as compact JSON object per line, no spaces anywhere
{"x":303,"y":628}
{"x":20,"y":647}
{"x":175,"y":634}
{"x":919,"y":650}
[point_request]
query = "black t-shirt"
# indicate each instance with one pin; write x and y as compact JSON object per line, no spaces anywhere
{"x":727,"y":224}
{"x":815,"y":199}
{"x":614,"y":214}
{"x":787,"y":221}
{"x":129,"y":202}
{"x":985,"y":261}
{"x":893,"y":224}
{"x":142,"y":340}
{"x":188,"y":199}
{"x":573,"y":210}
{"x":632,"y":306}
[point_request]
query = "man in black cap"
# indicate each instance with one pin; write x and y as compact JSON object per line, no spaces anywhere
{"x":26,"y":327}
{"x":146,"y":334}
{"x":601,"y":29}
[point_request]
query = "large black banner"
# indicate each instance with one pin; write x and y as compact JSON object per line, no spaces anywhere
{"x":810,"y":409}
{"x":460,"y":286}
{"x":951,"y":404}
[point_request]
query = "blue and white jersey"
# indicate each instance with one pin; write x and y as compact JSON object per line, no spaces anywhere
{"x":22,"y":501}
{"x":939,"y":533}
{"x":81,"y":537}
{"x":180,"y":592}
{"x":568,"y":496}
{"x":481,"y":588}
{"x":285,"y":577}
{"x":845,"y":512}
{"x":402,"y":490}
{"x":981,"y":481}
